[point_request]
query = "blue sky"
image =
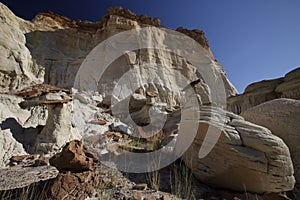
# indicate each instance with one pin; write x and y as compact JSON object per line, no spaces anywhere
{"x":252,"y":39}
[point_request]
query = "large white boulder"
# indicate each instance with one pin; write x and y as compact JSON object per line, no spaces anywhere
{"x":282,"y":117}
{"x":246,"y":157}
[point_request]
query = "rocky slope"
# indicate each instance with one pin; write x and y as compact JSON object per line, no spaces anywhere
{"x":147,"y":100}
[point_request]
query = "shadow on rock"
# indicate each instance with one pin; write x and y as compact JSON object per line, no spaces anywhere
{"x":25,"y":136}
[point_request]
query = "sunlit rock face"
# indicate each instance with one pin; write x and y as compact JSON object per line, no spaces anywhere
{"x":245,"y":156}
{"x":263,"y":91}
{"x":52,"y":48}
{"x":18,"y":69}
{"x":282,"y":117}
{"x":75,"y":39}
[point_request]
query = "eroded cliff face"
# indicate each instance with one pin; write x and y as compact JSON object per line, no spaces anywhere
{"x":18,"y":69}
{"x":60,"y":45}
{"x":51,"y":49}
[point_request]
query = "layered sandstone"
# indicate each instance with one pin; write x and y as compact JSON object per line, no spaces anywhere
{"x":266,"y":90}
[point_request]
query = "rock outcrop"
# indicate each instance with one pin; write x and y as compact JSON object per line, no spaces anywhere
{"x":20,"y":177}
{"x":77,"y":178}
{"x":19,"y":127}
{"x":246,"y":157}
{"x":9,"y":147}
{"x":282,"y":117}
{"x":17,"y":69}
{"x":74,"y":157}
{"x":58,"y":129}
{"x":35,"y":119}
{"x":73,"y":186}
{"x":260,"y":92}
{"x":75,"y":43}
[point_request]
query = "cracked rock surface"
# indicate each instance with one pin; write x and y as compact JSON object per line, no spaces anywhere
{"x":245,"y":156}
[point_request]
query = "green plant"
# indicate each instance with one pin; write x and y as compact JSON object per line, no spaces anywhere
{"x":154,"y":179}
{"x":34,"y":191}
{"x":107,"y":185}
{"x":181,"y":182}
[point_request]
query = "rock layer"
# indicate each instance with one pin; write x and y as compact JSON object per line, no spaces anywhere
{"x":246,"y":157}
{"x":260,"y":92}
{"x":75,"y":40}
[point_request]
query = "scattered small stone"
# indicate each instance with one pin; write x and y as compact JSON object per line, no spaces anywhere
{"x":117,"y":136}
{"x":151,"y":197}
{"x":169,"y":109}
{"x":22,"y":158}
{"x":125,"y":137}
{"x":140,"y":186}
{"x":151,"y":94}
{"x":138,"y":196}
{"x":98,"y":122}
{"x":43,"y":161}
{"x":25,"y":160}
{"x":120,"y":127}
{"x":109,"y":133}
{"x":166,"y":197}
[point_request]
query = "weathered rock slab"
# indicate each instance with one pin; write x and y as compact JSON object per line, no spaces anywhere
{"x":247,"y":157}
{"x":20,"y":177}
{"x":282,"y":117}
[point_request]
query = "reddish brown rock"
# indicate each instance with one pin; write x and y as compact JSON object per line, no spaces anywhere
{"x":140,"y":186}
{"x":38,"y":90}
{"x":151,"y":94}
{"x":166,"y":197}
{"x":74,"y":157}
{"x":275,"y":196}
{"x":73,"y":185}
{"x":43,"y":161}
{"x":197,"y":35}
{"x":98,"y":122}
{"x":22,"y":158}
